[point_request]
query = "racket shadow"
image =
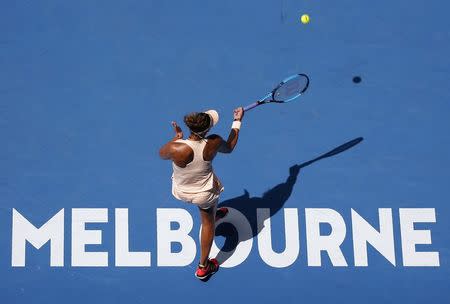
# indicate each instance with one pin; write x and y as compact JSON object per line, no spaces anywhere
{"x":273,"y":199}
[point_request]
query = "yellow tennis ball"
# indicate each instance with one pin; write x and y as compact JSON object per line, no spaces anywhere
{"x":305,"y":19}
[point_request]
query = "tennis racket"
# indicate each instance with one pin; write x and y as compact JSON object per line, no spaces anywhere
{"x":288,"y":90}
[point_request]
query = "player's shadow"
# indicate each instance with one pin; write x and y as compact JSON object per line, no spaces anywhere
{"x":273,"y":199}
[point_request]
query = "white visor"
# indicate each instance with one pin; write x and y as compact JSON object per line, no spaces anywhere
{"x":214,"y":117}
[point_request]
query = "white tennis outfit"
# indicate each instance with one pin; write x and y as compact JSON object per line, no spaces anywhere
{"x":196,"y":183}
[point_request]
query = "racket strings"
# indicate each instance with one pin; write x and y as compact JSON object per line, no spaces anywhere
{"x":291,"y":88}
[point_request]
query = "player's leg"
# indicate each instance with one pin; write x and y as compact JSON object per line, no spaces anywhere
{"x":207,"y":204}
{"x":207,"y":233}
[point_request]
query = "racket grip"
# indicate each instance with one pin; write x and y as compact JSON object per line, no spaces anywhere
{"x":251,"y":106}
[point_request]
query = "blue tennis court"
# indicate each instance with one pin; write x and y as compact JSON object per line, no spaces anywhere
{"x":88,"y":91}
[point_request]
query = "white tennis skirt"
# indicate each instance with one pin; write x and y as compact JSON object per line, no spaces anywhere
{"x":203,"y":200}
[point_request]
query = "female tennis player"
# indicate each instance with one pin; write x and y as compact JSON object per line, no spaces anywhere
{"x":193,"y":179}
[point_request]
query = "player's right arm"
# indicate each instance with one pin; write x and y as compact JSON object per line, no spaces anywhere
{"x":167,"y":150}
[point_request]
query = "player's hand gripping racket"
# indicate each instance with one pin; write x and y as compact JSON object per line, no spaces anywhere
{"x":288,"y":90}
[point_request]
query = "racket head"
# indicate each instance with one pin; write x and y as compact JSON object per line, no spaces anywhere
{"x":290,"y":88}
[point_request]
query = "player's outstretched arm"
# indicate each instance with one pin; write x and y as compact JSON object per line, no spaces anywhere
{"x":166,"y":151}
{"x":228,"y":146}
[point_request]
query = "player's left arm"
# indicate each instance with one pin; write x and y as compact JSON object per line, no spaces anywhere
{"x":228,"y":146}
{"x":222,"y":146}
{"x":166,"y":151}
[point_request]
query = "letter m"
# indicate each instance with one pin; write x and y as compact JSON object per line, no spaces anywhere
{"x":23,"y":231}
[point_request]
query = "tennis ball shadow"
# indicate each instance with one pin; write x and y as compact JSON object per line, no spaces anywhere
{"x":357,"y":79}
{"x":273,"y":199}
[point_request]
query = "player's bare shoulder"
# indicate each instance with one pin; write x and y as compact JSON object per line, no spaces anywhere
{"x":182,"y":154}
{"x":214,"y":140}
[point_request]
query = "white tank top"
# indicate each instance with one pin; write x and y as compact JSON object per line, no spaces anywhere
{"x":198,"y":175}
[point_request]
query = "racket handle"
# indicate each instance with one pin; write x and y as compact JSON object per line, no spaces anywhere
{"x":251,"y":106}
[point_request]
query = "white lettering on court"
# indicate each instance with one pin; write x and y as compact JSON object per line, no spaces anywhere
{"x":23,"y":231}
{"x":412,"y":237}
{"x":122,"y":245}
{"x":166,"y":236}
{"x":316,"y":243}
{"x":82,"y":237}
{"x":364,"y":233}
{"x":291,"y":230}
